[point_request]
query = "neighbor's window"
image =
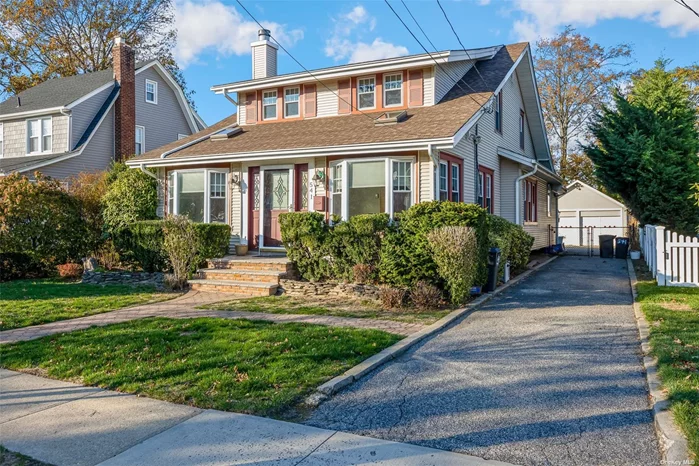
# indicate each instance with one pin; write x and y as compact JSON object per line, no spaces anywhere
{"x":443,"y":181}
{"x":366,"y":93}
{"x":337,"y":190}
{"x":498,"y":112}
{"x":402,"y":186}
{"x":393,"y":90}
{"x":521,"y":129}
{"x":486,"y":189}
{"x":151,"y":91}
{"x":530,"y":201}
{"x":39,"y":138}
{"x":1,"y":140}
{"x":198,"y":194}
{"x":455,"y":183}
{"x":269,"y":105}
{"x":291,"y":102}
{"x":140,"y":140}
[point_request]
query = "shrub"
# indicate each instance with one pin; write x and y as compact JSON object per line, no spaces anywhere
{"x":131,"y":196}
{"x":392,"y":297}
{"x":70,"y":270}
{"x":425,"y":296}
{"x":18,"y":265}
{"x":363,"y":273}
{"x":305,"y":236}
{"x":515,"y":244}
{"x":107,"y":255}
{"x":180,"y":243}
{"x":455,"y":252}
{"x":39,"y":219}
{"x":406,"y":257}
{"x":357,"y":241}
{"x":214,"y":239}
{"x":89,"y":189}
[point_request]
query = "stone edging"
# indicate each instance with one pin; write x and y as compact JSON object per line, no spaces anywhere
{"x":673,"y":444}
{"x":360,"y":370}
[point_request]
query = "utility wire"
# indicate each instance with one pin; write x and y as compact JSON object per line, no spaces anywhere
{"x":418,"y":26}
{"x":461,"y":43}
{"x":352,"y":107}
{"x":435,"y":60}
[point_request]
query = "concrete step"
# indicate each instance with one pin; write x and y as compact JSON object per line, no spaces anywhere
{"x":264,"y":264}
{"x":240,"y":288}
{"x":241,"y":275}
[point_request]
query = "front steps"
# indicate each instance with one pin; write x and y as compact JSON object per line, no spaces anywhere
{"x":243,"y":275}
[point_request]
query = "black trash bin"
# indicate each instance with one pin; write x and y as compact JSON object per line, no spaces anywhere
{"x":621,"y":248}
{"x":606,"y":246}
{"x":493,"y":266}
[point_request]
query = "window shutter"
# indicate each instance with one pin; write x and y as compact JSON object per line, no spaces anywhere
{"x":345,"y":92}
{"x":251,"y":107}
{"x":415,"y":93}
{"x":309,"y":100}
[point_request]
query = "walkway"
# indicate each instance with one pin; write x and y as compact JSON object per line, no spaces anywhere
{"x":65,"y":424}
{"x":548,"y":372}
{"x":184,"y":307}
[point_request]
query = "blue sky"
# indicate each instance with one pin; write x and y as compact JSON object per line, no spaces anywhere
{"x":214,"y":35}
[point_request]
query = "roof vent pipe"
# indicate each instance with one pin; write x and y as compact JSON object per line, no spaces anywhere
{"x":19,"y":102}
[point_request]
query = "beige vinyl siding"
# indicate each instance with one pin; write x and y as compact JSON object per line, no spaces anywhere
{"x":426,"y":171}
{"x":241,"y":108}
{"x":15,"y":135}
{"x":445,"y":75}
{"x":509,"y":172}
{"x":428,"y":86}
{"x":85,"y":112}
{"x":540,"y":229}
{"x":236,"y":214}
{"x":327,"y":100}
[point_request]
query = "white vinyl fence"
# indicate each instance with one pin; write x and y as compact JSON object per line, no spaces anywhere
{"x":673,"y":259}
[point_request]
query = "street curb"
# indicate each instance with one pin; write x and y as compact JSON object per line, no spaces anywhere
{"x":673,"y":444}
{"x":360,"y":370}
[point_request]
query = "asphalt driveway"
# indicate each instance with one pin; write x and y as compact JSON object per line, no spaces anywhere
{"x":549,"y":372}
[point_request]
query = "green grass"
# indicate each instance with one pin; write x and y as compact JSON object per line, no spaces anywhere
{"x":328,"y":306}
{"x":673,"y":316}
{"x":10,"y":458}
{"x":32,"y":302}
{"x":234,"y":365}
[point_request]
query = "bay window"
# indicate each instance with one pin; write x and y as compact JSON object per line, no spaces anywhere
{"x":393,"y":90}
{"x":198,"y":194}
{"x":371,"y":186}
{"x":366,"y":98}
{"x":39,"y":135}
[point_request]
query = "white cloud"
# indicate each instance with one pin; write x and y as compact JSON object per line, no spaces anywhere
{"x":211,"y":25}
{"x":543,"y":18}
{"x":346,"y":41}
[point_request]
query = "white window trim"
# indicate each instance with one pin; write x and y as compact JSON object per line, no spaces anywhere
{"x":385,"y":90}
{"x":388,"y":207}
{"x":286,"y":115}
{"x":455,"y":185}
{"x":359,"y":79}
{"x":41,"y":150}
{"x":2,"y":141}
{"x":155,"y":92}
{"x":173,"y":209}
{"x":276,"y":110}
{"x":143,"y":143}
{"x":446,"y":179}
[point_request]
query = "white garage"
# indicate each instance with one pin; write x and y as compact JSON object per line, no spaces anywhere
{"x":583,"y":206}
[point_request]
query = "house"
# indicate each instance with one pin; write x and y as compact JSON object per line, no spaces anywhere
{"x":582,"y":207}
{"x":82,"y":123}
{"x":368,"y":137}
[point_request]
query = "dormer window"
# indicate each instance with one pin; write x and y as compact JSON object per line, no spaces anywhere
{"x":269,"y":105}
{"x":366,"y":93}
{"x":393,"y":90}
{"x":291,"y":102}
{"x":39,"y":135}
{"x":151,"y":91}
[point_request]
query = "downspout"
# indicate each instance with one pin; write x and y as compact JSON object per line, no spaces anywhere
{"x":151,"y":174}
{"x":69,"y":114}
{"x":518,"y":192}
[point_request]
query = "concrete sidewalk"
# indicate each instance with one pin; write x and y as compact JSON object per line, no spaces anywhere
{"x":68,"y":424}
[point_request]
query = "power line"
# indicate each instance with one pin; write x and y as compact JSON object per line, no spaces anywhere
{"x":434,"y":59}
{"x":352,"y":107}
{"x":461,"y":43}
{"x":418,"y":25}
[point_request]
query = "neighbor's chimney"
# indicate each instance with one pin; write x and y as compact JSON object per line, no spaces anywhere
{"x":264,"y":56}
{"x":124,"y":64}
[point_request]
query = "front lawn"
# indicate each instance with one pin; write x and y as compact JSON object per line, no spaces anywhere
{"x":32,"y":302}
{"x":234,"y":365}
{"x":328,"y":306}
{"x":673,"y":317}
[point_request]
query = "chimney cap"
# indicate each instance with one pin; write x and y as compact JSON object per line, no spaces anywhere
{"x":118,"y":40}
{"x":264,"y":34}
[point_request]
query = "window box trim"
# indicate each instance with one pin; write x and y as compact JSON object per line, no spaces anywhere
{"x":173,"y":209}
{"x":358,"y":106}
{"x":155,"y":92}
{"x":388,"y":75}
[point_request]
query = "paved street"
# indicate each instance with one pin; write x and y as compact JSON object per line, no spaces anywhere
{"x":548,"y":372}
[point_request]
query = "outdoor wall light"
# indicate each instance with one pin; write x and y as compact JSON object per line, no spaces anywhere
{"x":318,"y":177}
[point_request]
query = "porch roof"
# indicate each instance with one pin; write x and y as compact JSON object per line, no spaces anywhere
{"x":442,"y":120}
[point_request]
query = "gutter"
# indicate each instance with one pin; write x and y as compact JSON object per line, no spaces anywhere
{"x":518,"y":192}
{"x":143,"y":169}
{"x":191,"y":143}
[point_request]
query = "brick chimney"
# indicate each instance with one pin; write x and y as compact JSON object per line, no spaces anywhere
{"x":124,"y":65}
{"x":264,"y":56}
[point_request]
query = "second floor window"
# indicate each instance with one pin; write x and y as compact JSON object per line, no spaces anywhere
{"x":291,"y":102}
{"x":140,"y":140}
{"x":366,"y":93}
{"x":393,"y":90}
{"x":151,"y":91}
{"x":269,"y":105}
{"x":39,"y":136}
{"x":498,"y":112}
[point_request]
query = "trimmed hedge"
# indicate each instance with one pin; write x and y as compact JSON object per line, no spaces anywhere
{"x":305,"y":236}
{"x":143,"y":240}
{"x":515,"y":244}
{"x":406,"y":257}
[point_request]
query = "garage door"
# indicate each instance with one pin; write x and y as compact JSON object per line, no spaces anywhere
{"x":604,"y":223}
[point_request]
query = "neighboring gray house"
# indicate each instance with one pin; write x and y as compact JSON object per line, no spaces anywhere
{"x":82,"y":123}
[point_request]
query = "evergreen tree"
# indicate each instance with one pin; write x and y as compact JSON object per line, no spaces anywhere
{"x":646,"y":147}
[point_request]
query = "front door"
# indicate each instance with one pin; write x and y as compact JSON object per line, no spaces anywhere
{"x":277,"y":200}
